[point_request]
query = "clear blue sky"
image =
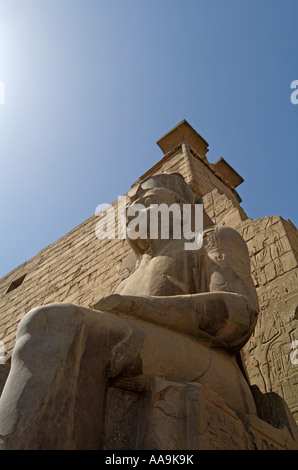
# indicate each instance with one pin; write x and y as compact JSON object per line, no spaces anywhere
{"x":90,"y":85}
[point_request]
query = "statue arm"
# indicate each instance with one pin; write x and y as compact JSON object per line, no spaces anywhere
{"x":209,"y":316}
{"x":225,"y":315}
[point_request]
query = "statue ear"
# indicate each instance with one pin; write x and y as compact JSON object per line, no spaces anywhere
{"x":198,"y":200}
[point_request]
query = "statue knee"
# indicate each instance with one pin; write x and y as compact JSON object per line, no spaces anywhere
{"x":50,"y":336}
{"x":54,"y":327}
{"x":46,"y":331}
{"x":50,"y":319}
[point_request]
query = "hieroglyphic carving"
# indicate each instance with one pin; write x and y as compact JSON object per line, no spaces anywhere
{"x":273,"y":265}
{"x":223,"y":210}
{"x":224,"y":430}
{"x":268,"y":353}
{"x":170,"y":415}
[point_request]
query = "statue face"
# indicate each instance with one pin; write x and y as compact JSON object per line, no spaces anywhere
{"x":142,"y":215}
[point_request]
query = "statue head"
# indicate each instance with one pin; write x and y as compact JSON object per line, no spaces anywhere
{"x":173,"y":184}
{"x":169,"y":190}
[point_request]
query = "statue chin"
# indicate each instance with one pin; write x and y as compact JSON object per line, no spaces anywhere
{"x":140,"y":245}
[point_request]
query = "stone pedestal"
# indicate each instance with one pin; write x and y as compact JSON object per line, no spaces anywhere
{"x":152,"y":413}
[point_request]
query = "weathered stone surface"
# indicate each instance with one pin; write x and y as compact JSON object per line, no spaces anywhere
{"x":54,"y":394}
{"x":79,"y":268}
{"x":162,"y":415}
{"x":272,"y":243}
{"x":194,"y":308}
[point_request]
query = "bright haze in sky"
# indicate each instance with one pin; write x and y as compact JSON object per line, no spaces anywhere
{"x":88,"y":86}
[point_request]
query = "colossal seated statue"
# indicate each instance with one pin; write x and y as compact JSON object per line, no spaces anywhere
{"x":181,"y":314}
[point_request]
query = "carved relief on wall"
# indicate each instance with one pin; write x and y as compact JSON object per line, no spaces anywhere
{"x":268,"y":355}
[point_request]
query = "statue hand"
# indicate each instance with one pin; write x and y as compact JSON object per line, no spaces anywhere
{"x":110,"y":303}
{"x":129,"y":304}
